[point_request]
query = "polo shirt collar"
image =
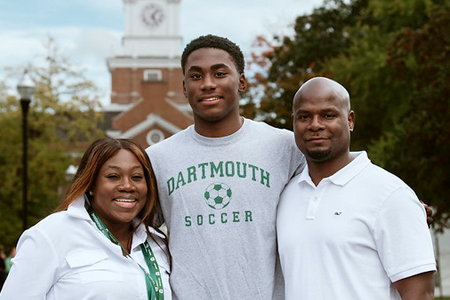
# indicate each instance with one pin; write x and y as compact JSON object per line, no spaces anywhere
{"x":304,"y":176}
{"x":343,"y":176}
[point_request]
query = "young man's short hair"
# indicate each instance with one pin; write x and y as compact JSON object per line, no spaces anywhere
{"x":217,"y":42}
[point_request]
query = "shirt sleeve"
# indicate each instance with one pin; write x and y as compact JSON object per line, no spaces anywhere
{"x":33,"y":270}
{"x":402,"y":236}
{"x":297,"y":161}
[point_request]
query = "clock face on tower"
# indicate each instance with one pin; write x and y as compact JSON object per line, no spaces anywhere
{"x":152,"y":15}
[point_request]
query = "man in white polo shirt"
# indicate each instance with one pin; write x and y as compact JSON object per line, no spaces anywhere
{"x":347,"y":229}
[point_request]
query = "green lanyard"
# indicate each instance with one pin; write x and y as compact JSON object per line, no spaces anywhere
{"x":153,"y":281}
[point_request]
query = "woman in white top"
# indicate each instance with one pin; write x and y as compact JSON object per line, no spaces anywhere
{"x":102,"y":242}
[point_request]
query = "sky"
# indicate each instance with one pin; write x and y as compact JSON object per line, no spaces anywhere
{"x":89,"y":31}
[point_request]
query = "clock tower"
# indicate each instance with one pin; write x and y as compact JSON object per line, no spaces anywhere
{"x":147,"y":102}
{"x":149,"y":23}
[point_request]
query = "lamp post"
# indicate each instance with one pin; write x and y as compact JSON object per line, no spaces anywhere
{"x":26,"y":92}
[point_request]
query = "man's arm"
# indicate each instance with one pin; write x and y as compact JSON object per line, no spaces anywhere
{"x":429,"y":213}
{"x":418,"y":287}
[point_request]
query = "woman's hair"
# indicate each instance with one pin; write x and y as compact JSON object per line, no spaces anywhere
{"x":93,"y":159}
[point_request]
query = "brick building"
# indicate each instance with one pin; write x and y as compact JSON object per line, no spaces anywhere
{"x":147,"y":102}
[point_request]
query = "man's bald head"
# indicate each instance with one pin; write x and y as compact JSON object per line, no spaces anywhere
{"x":323,"y":87}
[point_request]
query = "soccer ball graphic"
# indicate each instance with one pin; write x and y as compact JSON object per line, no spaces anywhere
{"x":218,"y":195}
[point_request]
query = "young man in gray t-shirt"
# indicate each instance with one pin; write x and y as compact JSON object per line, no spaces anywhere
{"x":219,"y":182}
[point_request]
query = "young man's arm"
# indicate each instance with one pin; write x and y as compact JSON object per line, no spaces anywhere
{"x":418,"y":287}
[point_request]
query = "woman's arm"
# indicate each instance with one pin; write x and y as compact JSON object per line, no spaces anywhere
{"x":33,"y":268}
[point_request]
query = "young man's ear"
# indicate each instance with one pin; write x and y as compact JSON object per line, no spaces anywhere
{"x":242,"y":83}
{"x":184,"y":90}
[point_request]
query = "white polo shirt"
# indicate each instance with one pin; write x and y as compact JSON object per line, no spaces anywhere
{"x":351,"y":236}
{"x":65,"y":256}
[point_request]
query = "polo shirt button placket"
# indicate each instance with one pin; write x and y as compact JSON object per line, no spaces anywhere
{"x":312,"y":207}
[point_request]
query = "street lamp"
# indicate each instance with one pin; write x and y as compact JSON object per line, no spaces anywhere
{"x":26,"y":92}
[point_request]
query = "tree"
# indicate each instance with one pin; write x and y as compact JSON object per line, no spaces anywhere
{"x":417,"y":147}
{"x":365,"y":71}
{"x":396,"y":71}
{"x":392,"y":56}
{"x":286,"y":62}
{"x":63,"y":118}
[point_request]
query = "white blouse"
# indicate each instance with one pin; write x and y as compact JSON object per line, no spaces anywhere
{"x":65,"y":256}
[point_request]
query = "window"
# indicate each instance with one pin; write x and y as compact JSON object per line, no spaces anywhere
{"x":155,"y":136}
{"x":152,"y":75}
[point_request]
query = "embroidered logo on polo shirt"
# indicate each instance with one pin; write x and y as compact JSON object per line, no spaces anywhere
{"x":338,"y":213}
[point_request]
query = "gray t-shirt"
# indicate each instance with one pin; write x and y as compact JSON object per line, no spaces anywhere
{"x":219,"y":198}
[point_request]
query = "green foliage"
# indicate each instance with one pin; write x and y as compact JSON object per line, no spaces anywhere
{"x":396,"y":14}
{"x":10,"y":171}
{"x":393,"y":57}
{"x":419,"y":153}
{"x":62,"y":119}
{"x":290,"y":61}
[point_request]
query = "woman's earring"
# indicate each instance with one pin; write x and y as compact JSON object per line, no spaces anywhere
{"x":91,"y":193}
